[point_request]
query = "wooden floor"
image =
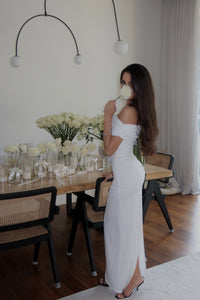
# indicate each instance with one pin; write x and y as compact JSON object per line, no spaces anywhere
{"x":19,"y":279}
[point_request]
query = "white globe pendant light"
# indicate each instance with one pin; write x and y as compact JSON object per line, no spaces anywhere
{"x":16,"y":61}
{"x":78,"y":59}
{"x":120,"y":47}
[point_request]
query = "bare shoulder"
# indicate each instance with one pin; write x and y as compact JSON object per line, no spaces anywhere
{"x":128,"y":115}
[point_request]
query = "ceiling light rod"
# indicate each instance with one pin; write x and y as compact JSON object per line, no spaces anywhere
{"x":119,"y":39}
{"x":120,"y":47}
{"x":15,"y":60}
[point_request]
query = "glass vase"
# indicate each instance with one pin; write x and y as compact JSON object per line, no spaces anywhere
{"x":3,"y":169}
{"x":137,"y":151}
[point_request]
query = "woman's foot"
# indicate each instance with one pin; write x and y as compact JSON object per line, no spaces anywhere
{"x":127,"y":291}
{"x":102,"y":282}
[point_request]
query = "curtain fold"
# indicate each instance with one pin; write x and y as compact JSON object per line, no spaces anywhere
{"x":178,"y":115}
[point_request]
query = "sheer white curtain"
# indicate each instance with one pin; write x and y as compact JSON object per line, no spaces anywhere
{"x":178,"y":115}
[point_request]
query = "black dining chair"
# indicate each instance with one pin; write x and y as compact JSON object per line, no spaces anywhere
{"x":25,"y":219}
{"x":90,"y":211}
{"x":162,"y":160}
{"x":152,"y":191}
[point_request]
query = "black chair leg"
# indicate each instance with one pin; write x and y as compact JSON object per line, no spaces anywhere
{"x":53,"y":263}
{"x":160,"y":199}
{"x":147,"y":197}
{"x":89,"y":248}
{"x":69,"y":210}
{"x":72,"y":235}
{"x":35,"y":254}
{"x":88,"y":239}
{"x":153,"y":188}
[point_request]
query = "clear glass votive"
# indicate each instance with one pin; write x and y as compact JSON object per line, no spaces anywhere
{"x":27,"y":166}
{"x":60,"y":170}
{"x":106,"y":164}
{"x":3,"y":169}
{"x":89,"y":163}
{"x":98,"y":163}
{"x":73,"y":164}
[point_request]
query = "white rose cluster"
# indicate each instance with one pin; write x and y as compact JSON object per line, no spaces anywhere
{"x":94,"y":129}
{"x":21,"y":148}
{"x":65,"y":125}
{"x":34,"y":150}
{"x":68,"y":147}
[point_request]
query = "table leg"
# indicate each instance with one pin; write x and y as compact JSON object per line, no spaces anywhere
{"x":69,"y":204}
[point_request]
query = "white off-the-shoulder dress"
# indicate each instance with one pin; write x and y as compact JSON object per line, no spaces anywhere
{"x":123,"y":225}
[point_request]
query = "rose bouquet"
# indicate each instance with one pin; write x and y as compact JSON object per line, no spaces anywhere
{"x":65,"y":125}
{"x":94,"y":130}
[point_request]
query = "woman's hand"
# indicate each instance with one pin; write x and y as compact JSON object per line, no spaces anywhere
{"x":107,"y":176}
{"x":110,"y":108}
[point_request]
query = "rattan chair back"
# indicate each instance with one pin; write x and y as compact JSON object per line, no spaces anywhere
{"x":162,"y":160}
{"x":25,"y":219}
{"x":24,"y":209}
{"x":101,"y":193}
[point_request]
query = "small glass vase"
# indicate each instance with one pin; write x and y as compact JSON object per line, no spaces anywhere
{"x":14,"y":167}
{"x":106,"y":163}
{"x":51,"y":160}
{"x":15,"y":175}
{"x":73,"y":163}
{"x":28,"y":167}
{"x":89,"y":163}
{"x":3,"y":169}
{"x":40,"y":167}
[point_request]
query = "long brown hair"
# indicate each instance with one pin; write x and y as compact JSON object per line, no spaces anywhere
{"x":144,"y":102}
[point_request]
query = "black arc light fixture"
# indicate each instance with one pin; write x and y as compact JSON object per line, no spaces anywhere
{"x":16,"y":61}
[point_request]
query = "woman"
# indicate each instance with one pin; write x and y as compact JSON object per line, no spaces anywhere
{"x":123,"y":226}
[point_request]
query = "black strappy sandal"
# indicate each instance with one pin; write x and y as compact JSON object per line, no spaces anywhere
{"x":102,"y":282}
{"x":135,"y":289}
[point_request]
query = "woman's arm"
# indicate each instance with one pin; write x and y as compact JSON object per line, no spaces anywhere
{"x":111,"y":143}
{"x":107,"y":175}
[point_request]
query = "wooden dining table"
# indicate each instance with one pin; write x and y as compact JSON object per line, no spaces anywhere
{"x":86,"y":181}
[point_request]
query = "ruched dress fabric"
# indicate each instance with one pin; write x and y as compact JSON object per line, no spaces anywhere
{"x":123,"y":222}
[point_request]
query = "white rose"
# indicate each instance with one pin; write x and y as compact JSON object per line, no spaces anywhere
{"x":83,"y":130}
{"x":96,"y":131}
{"x":67,"y":143}
{"x":58,"y":144}
{"x":42,"y":148}
{"x":23,"y":148}
{"x":51,"y":146}
{"x":76,"y":124}
{"x":74,"y":148}
{"x":101,"y":127}
{"x":86,"y":121}
{"x":66,"y":149}
{"x":40,"y":122}
{"x":80,"y":137}
{"x":12,"y":148}
{"x":34,"y":151}
{"x":125,"y":92}
{"x":84,"y":150}
{"x":91,"y":147}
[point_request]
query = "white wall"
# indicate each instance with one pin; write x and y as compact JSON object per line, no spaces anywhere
{"x":49,"y":81}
